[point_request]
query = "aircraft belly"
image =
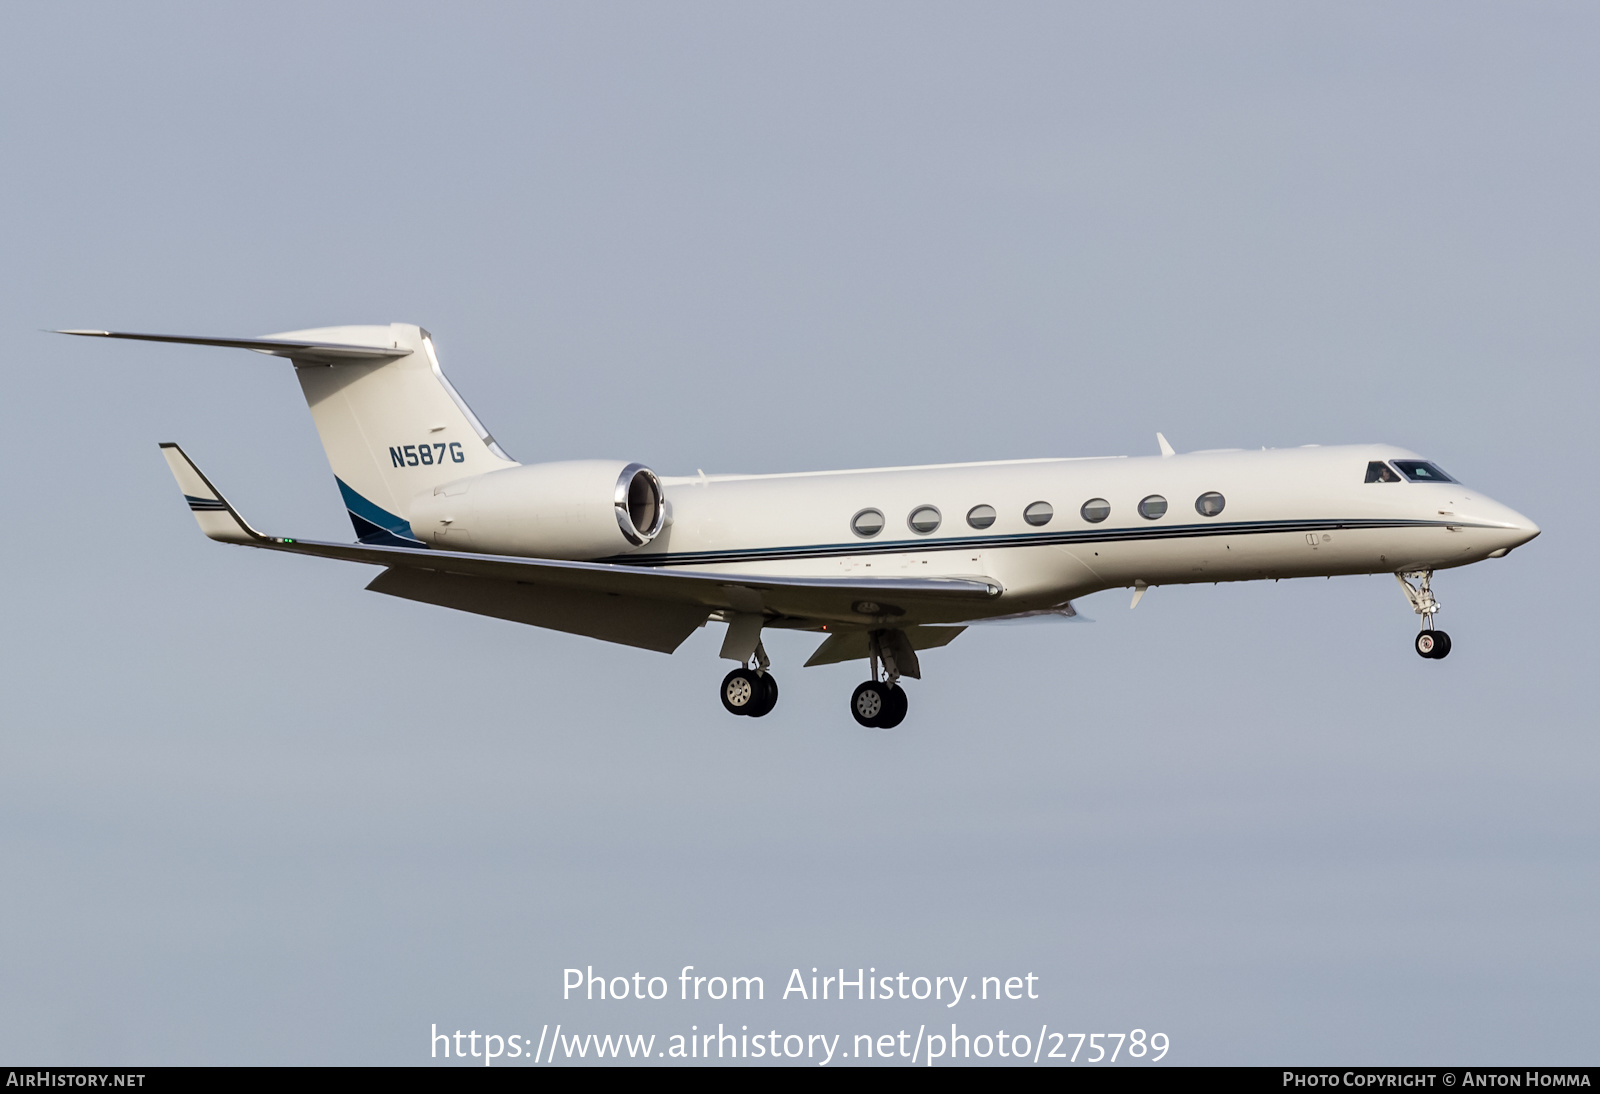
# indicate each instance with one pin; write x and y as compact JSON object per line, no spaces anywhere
{"x":1438,"y":548}
{"x":1337,"y":551}
{"x":929,"y":564}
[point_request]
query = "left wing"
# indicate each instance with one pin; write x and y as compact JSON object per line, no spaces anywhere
{"x":896,"y":602}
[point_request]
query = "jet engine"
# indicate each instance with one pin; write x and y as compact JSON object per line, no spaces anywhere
{"x":575,"y":509}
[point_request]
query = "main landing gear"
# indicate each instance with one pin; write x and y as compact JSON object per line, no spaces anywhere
{"x":751,"y":691}
{"x":882,"y":704}
{"x":1430,"y":643}
{"x":879,"y":704}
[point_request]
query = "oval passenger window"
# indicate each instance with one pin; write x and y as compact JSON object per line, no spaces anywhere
{"x":1209,"y":504}
{"x":924,"y":519}
{"x":1039,"y":513}
{"x":1095,"y":510}
{"x":1153,"y":508}
{"x":981,"y":516}
{"x":867,"y":523}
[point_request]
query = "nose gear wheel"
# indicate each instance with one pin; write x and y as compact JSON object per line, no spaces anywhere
{"x":1430,"y":643}
{"x":1434,"y":645}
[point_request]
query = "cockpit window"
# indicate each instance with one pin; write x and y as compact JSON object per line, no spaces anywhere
{"x":1422,"y":471}
{"x":1378,"y":471}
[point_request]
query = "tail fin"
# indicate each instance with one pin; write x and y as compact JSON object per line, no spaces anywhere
{"x":390,"y":422}
{"x":391,"y":428}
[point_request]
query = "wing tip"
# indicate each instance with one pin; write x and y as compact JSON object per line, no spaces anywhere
{"x":217,"y":517}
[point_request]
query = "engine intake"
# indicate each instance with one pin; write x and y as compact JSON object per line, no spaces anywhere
{"x":575,"y":509}
{"x":641,"y":509}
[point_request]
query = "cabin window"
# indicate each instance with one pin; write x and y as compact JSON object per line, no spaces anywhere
{"x":981,"y":516}
{"x":1039,"y":513}
{"x":1095,"y":510}
{"x":1378,"y":471}
{"x":1153,"y":508}
{"x":1209,"y":504}
{"x":867,"y":523}
{"x":924,"y":519}
{"x":1422,"y":471}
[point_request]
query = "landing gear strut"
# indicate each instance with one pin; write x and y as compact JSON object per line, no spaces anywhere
{"x":1430,"y":643}
{"x":881,"y":704}
{"x":753,"y":692}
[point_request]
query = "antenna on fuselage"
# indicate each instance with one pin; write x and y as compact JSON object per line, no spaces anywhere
{"x":1166,"y":449}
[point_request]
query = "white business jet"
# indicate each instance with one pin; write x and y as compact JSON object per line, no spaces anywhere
{"x":884,"y":562}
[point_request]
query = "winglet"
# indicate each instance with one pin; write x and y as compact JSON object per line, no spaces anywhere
{"x":216,"y":517}
{"x":1166,"y":449}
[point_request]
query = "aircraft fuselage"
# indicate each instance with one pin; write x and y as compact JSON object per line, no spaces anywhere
{"x":1299,"y":512}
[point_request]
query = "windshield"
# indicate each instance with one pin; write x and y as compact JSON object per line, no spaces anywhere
{"x":1422,"y":471}
{"x":1378,"y":471}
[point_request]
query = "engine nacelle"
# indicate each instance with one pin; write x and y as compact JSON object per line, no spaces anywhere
{"x":576,"y":509}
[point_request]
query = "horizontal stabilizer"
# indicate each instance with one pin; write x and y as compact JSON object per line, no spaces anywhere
{"x":310,"y":352}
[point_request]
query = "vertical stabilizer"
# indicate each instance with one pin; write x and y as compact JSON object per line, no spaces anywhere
{"x":391,"y":428}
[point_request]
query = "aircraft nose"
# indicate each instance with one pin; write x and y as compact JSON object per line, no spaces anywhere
{"x":1512,"y":528}
{"x":1525,"y":530}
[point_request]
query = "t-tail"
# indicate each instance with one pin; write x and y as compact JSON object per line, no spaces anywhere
{"x":390,"y":422}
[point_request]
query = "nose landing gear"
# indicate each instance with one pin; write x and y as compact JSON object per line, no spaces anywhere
{"x":1434,"y":644}
{"x":1430,"y":643}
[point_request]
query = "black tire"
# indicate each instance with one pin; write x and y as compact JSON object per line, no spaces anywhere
{"x":1441,"y":645}
{"x":741,"y":691}
{"x":1426,"y":644}
{"x":895,"y":708}
{"x":869,"y":702}
{"x":769,"y":697}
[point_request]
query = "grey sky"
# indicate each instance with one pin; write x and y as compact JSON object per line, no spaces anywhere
{"x":250,"y":813}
